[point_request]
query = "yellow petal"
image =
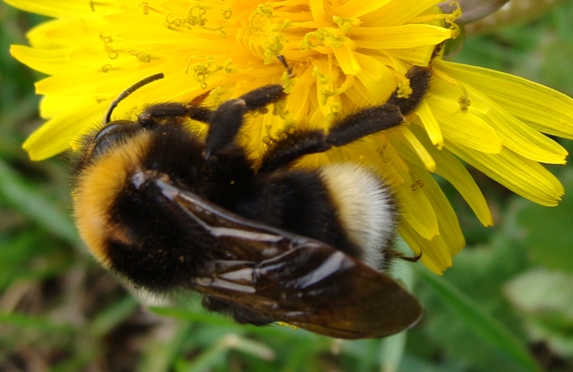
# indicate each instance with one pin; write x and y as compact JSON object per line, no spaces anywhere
{"x":56,"y":134}
{"x":54,"y":9}
{"x":519,"y":137}
{"x":345,"y":57}
{"x":67,"y":33}
{"x":449,"y":167}
{"x":541,"y":107}
{"x":449,"y":225}
{"x":326,"y":82}
{"x":297,"y":103}
{"x":435,"y":253}
{"x":413,"y":203}
{"x":522,"y":176}
{"x":375,"y":77}
{"x":398,"y":37}
{"x":462,"y":127}
{"x":357,"y":8}
{"x":72,"y":84}
{"x":47,"y":61}
{"x":404,"y":139}
{"x":318,"y":10}
{"x":398,"y":12}
{"x":430,"y":123}
{"x":418,"y":55}
{"x":515,"y":134}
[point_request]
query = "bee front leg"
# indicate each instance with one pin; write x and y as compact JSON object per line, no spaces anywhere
{"x":228,"y":118}
{"x":157,"y":113}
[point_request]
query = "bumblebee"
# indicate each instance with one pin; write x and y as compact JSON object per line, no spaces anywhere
{"x":170,"y":212}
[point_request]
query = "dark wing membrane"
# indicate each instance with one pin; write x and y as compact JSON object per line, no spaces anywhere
{"x":293,"y":279}
{"x":237,"y":238}
{"x":317,"y":288}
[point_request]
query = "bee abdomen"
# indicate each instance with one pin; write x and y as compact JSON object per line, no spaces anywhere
{"x":366,"y":210}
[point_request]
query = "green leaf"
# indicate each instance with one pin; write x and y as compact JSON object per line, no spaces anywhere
{"x":480,"y":322}
{"x":548,"y":232}
{"x":545,"y":295}
{"x":546,"y":300}
{"x":559,"y":342}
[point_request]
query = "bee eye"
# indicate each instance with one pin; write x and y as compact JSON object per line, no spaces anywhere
{"x":117,"y":131}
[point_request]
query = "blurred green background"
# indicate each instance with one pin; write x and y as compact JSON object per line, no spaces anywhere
{"x":505,"y":305}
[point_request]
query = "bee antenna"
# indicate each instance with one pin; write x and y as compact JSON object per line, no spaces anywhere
{"x":128,"y":91}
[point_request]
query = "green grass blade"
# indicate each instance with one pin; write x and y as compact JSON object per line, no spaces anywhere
{"x":480,"y":322}
{"x":162,"y":351}
{"x":27,"y":200}
{"x":392,"y":348}
{"x":112,"y":316}
{"x":33,"y":322}
{"x":216,"y":354}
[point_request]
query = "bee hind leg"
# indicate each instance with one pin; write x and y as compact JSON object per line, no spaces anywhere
{"x":292,"y":145}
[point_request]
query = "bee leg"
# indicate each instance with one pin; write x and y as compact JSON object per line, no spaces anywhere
{"x":228,"y":118}
{"x":351,"y":128}
{"x":363,"y":123}
{"x":154,"y":114}
{"x":419,"y":78}
{"x":378,"y":118}
{"x":263,"y":96}
{"x":395,"y":254}
{"x":293,"y":145}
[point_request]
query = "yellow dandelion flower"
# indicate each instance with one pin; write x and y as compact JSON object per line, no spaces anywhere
{"x":345,"y":54}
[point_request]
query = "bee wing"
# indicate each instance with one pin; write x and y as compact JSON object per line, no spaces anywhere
{"x":317,"y":288}
{"x":293,"y":279}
